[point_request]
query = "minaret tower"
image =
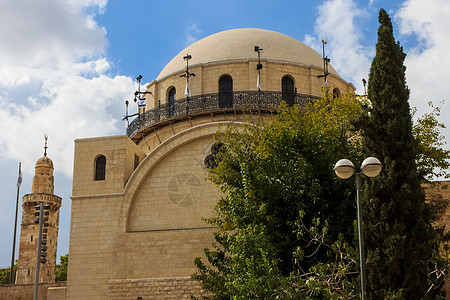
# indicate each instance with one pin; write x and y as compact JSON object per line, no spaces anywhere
{"x":41,"y":192}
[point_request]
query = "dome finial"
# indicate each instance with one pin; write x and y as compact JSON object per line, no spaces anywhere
{"x":45,"y":147}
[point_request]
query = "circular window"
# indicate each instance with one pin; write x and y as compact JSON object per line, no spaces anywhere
{"x":212,"y":160}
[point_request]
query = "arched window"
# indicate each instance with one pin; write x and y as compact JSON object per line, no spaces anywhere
{"x":172,"y":98}
{"x":225,"y":91}
{"x":336,"y":93}
{"x":100,"y":168}
{"x":287,"y":90}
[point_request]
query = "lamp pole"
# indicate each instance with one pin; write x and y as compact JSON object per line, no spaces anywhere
{"x":38,"y":252}
{"x":345,"y":169}
{"x":362,"y":260}
{"x":19,"y":183}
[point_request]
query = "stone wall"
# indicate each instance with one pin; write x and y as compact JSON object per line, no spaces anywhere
{"x":26,"y":291}
{"x":170,"y":288}
{"x":441,"y":193}
{"x":244,"y":75}
{"x":153,"y":228}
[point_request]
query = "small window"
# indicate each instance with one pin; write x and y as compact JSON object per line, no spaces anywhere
{"x":171,"y":102}
{"x":31,"y":238}
{"x":336,"y":93}
{"x":100,"y":168}
{"x":136,"y":161}
{"x":287,"y":90}
{"x":226,"y":91}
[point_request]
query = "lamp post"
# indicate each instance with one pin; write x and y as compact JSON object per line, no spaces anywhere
{"x":345,"y":169}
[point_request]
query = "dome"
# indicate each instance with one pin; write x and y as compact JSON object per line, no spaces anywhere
{"x":44,"y":161}
{"x":238,"y":45}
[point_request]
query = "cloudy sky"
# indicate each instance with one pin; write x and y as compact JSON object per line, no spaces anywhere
{"x":67,"y":66}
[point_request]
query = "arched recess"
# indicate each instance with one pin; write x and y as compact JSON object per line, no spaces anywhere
{"x":225,"y":91}
{"x":336,"y":93}
{"x":100,"y":168}
{"x":145,"y":168}
{"x":287,"y":90}
{"x":171,"y":98}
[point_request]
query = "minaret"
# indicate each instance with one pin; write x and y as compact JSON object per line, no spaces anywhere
{"x":41,"y":192}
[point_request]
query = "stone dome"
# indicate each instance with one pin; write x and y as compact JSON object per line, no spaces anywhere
{"x":238,"y":45}
{"x":44,"y":161}
{"x":43,"y":176}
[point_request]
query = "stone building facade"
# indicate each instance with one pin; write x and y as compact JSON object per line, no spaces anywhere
{"x":138,"y":199}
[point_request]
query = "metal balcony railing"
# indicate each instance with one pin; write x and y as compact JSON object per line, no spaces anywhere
{"x":215,"y":103}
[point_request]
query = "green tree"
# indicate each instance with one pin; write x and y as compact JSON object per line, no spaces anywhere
{"x":269,"y":173}
{"x":432,"y":160}
{"x":4,"y":274}
{"x":61,"y":268}
{"x":399,"y":236}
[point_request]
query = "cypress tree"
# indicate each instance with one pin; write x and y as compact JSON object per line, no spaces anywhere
{"x":397,"y":226}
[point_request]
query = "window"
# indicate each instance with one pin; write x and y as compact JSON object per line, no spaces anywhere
{"x":225,"y":91}
{"x":172,"y":98}
{"x":136,"y":161}
{"x":212,"y":160}
{"x":287,"y":90}
{"x":336,"y":93}
{"x":100,"y":168}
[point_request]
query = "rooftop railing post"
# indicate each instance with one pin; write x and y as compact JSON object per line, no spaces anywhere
{"x":159,"y":110}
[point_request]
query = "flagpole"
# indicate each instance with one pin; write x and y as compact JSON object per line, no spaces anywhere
{"x":19,"y":182}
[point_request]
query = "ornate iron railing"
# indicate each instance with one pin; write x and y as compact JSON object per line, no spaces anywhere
{"x":214,"y":102}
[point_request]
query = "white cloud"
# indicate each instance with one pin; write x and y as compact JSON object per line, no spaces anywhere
{"x":54,"y":80}
{"x":425,"y":23}
{"x":73,"y":107}
{"x":336,"y":23}
{"x":47,"y":32}
{"x":428,"y":61}
{"x":191,"y":34}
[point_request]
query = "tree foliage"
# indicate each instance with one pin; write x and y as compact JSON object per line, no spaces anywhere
{"x":5,"y":274}
{"x":432,"y":159}
{"x":399,"y":236}
{"x":61,"y":268}
{"x":286,"y":223}
{"x":269,"y":173}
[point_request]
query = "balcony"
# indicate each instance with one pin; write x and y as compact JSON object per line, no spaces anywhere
{"x":40,"y":197}
{"x":213,"y":103}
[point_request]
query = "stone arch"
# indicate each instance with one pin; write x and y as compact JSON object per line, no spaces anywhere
{"x":100,"y":167}
{"x":171,"y":98}
{"x":288,"y":89}
{"x":225,"y":91}
{"x":146,"y":167}
{"x":336,"y":93}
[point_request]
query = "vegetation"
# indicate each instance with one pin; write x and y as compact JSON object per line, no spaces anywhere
{"x":432,"y":159}
{"x":285,"y":222}
{"x":5,"y":273}
{"x":61,"y":268}
{"x":399,"y":237}
{"x":60,"y":274}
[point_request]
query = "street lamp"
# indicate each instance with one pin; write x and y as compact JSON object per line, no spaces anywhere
{"x":345,"y":169}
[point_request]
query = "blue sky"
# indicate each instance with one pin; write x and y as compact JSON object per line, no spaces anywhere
{"x":66,"y":67}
